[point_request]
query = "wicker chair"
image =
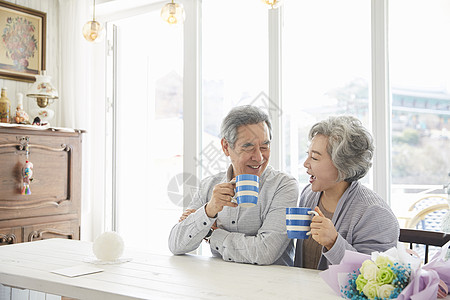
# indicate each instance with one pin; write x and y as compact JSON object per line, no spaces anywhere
{"x":428,"y":212}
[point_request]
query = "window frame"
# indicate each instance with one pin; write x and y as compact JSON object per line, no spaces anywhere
{"x":380,"y":109}
{"x":192,"y":100}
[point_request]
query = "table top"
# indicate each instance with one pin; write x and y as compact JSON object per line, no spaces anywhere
{"x":152,"y":276}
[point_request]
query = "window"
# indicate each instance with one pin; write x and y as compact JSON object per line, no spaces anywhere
{"x":326,"y":56}
{"x":149,"y":130}
{"x":234,"y":68}
{"x":326,"y":70}
{"x":420,"y":91}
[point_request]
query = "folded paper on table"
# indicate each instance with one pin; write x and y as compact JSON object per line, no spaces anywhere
{"x":75,"y":271}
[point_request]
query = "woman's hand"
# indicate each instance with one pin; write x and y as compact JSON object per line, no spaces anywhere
{"x":322,"y":230}
{"x":185,"y":214}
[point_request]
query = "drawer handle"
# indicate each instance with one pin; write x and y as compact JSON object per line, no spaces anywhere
{"x":9,"y":238}
{"x":21,"y":147}
{"x":37,"y":234}
{"x":63,"y":147}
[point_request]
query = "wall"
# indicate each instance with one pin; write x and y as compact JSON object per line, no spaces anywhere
{"x":50,"y":7}
{"x":52,"y":58}
{"x":67,"y":109}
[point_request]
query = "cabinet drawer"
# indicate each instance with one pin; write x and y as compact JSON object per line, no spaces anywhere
{"x":55,"y":188}
{"x":10,"y":235}
{"x":66,"y":229}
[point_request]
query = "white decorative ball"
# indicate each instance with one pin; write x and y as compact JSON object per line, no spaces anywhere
{"x":108,"y":246}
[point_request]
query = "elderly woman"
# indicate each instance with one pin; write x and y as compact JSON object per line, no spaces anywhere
{"x":351,"y":216}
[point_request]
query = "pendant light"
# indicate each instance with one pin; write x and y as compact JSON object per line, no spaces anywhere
{"x":92,"y":30}
{"x":173,"y":13}
{"x":273,"y":4}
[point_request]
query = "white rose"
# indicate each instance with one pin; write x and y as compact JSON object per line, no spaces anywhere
{"x":371,"y":290}
{"x":385,"y":290}
{"x":369,"y":270}
{"x":383,"y":261}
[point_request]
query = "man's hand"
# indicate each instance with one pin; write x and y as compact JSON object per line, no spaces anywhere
{"x":322,"y":230}
{"x":185,"y":214}
{"x":221,"y":196}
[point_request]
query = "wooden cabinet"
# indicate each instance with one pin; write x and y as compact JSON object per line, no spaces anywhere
{"x":54,"y":206}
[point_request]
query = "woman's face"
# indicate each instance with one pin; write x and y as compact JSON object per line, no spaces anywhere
{"x":320,"y":166}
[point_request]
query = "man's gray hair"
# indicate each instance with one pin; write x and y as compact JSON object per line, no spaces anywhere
{"x":350,"y":145}
{"x":242,"y":115}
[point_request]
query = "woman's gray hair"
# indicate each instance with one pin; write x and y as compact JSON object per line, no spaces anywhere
{"x":350,"y":145}
{"x":242,"y":115}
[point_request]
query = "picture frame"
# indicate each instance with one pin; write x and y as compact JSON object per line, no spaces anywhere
{"x":22,"y":42}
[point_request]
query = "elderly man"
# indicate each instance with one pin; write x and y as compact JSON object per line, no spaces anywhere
{"x":255,"y":235}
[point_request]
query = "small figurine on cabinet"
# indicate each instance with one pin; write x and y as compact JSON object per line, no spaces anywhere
{"x":37,"y":121}
{"x":27,"y":173}
{"x":5,"y":107}
{"x":21,"y":116}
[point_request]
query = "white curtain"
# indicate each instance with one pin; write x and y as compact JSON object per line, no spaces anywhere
{"x":75,"y":61}
{"x":75,"y":91}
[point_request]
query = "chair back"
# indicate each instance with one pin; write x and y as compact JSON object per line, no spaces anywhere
{"x":428,"y":200}
{"x":422,"y":237}
{"x":428,"y":212}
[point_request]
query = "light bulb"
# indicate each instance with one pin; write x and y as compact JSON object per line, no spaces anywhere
{"x":172,"y":19}
{"x":272,"y":3}
{"x":92,"y":30}
{"x":173,"y":13}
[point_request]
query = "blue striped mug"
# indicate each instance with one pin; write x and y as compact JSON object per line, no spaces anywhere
{"x":247,"y":190}
{"x":298,"y":222}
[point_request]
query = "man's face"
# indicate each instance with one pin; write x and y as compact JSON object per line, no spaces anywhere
{"x":251,"y":151}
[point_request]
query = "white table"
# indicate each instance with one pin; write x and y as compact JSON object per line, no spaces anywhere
{"x":150,"y":276}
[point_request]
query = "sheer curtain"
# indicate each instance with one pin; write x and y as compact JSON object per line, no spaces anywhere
{"x":75,"y":90}
{"x":74,"y":84}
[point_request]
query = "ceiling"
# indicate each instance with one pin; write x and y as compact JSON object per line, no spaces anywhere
{"x":108,"y":7}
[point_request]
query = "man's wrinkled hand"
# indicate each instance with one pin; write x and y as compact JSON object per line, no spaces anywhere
{"x":222,"y":196}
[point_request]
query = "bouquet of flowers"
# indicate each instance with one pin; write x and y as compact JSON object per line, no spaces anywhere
{"x":394,"y":274}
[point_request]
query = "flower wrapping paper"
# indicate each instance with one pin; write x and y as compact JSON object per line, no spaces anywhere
{"x":424,"y":280}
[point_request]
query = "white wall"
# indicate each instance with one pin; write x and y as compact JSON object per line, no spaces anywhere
{"x":93,"y":140}
{"x":52,"y":58}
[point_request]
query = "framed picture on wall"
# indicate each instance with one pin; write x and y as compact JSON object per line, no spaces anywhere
{"x":22,"y":42}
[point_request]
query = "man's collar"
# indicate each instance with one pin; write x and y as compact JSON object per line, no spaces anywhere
{"x":230,"y":174}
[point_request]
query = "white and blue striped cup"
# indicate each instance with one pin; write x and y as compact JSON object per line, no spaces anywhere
{"x":298,"y":222}
{"x":247,"y":190}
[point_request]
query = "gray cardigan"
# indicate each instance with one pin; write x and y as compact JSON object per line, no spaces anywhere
{"x":255,"y":235}
{"x":363,"y":220}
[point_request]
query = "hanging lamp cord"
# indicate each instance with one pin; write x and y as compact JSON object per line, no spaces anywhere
{"x":93,"y":15}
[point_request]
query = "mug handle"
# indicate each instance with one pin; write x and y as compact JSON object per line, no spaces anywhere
{"x":312,"y":212}
{"x":233,"y":199}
